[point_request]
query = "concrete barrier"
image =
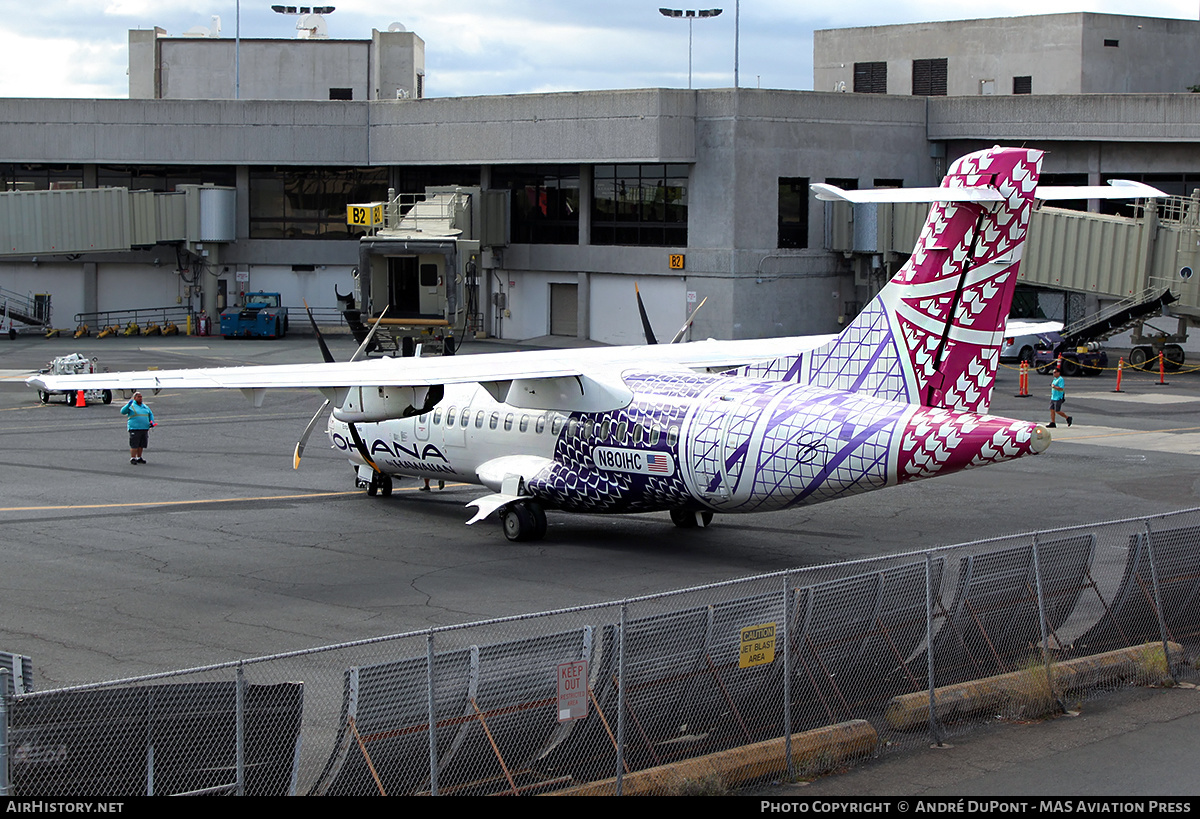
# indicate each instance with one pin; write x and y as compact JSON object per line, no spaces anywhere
{"x":815,"y":751}
{"x":1028,"y":685}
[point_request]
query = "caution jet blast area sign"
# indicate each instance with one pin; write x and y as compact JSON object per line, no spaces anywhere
{"x":758,"y":646}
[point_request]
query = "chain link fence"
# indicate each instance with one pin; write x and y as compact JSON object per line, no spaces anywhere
{"x":696,"y":691}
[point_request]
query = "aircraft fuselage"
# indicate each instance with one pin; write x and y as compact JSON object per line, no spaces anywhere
{"x":687,"y":441}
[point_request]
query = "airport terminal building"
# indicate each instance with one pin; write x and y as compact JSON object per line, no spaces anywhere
{"x":691,"y":194}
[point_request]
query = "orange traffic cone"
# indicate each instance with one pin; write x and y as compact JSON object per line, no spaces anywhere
{"x":80,"y":399}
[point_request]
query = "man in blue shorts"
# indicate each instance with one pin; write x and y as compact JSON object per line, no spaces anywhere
{"x":1058,"y":394}
{"x":140,"y":421}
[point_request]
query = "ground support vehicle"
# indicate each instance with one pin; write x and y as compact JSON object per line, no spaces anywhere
{"x":1089,"y":359}
{"x":263,"y":315}
{"x":74,"y":364}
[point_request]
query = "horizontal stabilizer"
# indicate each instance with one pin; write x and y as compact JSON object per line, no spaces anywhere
{"x":1115,"y":189}
{"x":832,"y":193}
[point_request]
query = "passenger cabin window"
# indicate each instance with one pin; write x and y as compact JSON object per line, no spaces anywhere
{"x":479,"y":419}
{"x":672,"y":436}
{"x":541,"y":425}
{"x":495,"y":421}
{"x":451,"y":416}
{"x":437,"y":417}
{"x":508,"y":422}
{"x":556,"y":425}
{"x":524,"y":427}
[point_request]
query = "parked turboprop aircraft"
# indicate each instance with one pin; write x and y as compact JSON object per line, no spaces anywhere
{"x":901,"y":394}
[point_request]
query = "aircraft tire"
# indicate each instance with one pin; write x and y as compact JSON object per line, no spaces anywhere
{"x":690,"y":519}
{"x":518,"y":522}
{"x":539,"y":520}
{"x":373,"y":488}
{"x":385,"y":485}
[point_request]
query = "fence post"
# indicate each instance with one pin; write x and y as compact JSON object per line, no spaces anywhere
{"x":1162,"y":618}
{"x":621,"y":699}
{"x":433,"y":763}
{"x":787,"y":673}
{"x":1041,"y":600}
{"x":934,"y":731}
{"x":5,"y":783}
{"x":240,"y":721}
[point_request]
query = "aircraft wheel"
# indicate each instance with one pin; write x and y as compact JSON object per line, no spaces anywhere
{"x":689,"y":519}
{"x":539,"y":521}
{"x":385,"y":485}
{"x":521,"y":521}
{"x":373,"y":488}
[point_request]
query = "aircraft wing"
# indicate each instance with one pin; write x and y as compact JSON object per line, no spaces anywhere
{"x":423,"y":372}
{"x":1026,"y":327}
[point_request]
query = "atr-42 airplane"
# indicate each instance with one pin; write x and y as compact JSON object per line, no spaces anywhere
{"x":901,"y":394}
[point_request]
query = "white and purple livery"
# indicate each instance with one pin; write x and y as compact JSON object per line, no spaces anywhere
{"x":900,"y":395}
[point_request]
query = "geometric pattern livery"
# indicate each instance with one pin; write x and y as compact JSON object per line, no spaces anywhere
{"x":932,"y":335}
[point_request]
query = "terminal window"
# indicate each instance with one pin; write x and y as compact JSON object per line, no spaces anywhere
{"x":545,"y":202}
{"x":644,"y":205}
{"x":36,"y":177}
{"x":308,"y":202}
{"x":793,"y":212}
{"x":929,"y":77}
{"x":1022,"y":85}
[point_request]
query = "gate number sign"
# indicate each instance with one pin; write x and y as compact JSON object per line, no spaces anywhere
{"x":758,"y":646}
{"x":365,"y":215}
{"x":572,"y":690}
{"x":675,"y":261}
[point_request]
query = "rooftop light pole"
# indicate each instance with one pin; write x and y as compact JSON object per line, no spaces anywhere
{"x":690,"y":15}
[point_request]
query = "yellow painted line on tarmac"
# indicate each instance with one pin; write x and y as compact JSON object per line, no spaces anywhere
{"x":144,"y":504}
{"x":172,"y":503}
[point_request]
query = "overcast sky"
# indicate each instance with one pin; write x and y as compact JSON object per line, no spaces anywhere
{"x":79,"y":48}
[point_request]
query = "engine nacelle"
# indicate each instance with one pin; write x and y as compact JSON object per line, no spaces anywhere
{"x":369,"y":404}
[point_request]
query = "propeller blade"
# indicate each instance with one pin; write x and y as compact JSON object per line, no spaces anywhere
{"x":370,"y":335}
{"x":320,"y":338}
{"x":679,"y":335}
{"x":646,"y":328}
{"x":307,"y":431}
{"x":362,"y":448}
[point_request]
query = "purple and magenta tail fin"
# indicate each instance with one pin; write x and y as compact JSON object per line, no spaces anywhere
{"x":932,"y":335}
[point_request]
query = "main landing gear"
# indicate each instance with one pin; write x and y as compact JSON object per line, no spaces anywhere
{"x":689,"y":519}
{"x":523,"y":521}
{"x":380,"y":485}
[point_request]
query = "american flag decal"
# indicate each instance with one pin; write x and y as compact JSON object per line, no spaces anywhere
{"x":658,"y":463}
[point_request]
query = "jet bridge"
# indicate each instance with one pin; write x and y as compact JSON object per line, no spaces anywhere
{"x":1141,"y":263}
{"x":421,"y":264}
{"x":101,"y":220}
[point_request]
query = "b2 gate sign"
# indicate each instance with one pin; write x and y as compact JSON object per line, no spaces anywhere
{"x":572,"y":690}
{"x":758,"y":646}
{"x":368,"y":215}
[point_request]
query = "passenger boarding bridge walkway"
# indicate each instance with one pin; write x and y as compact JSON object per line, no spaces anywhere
{"x":1143,"y":262}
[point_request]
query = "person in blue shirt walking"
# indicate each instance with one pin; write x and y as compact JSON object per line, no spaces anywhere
{"x":141,"y":418}
{"x":1058,"y":394}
